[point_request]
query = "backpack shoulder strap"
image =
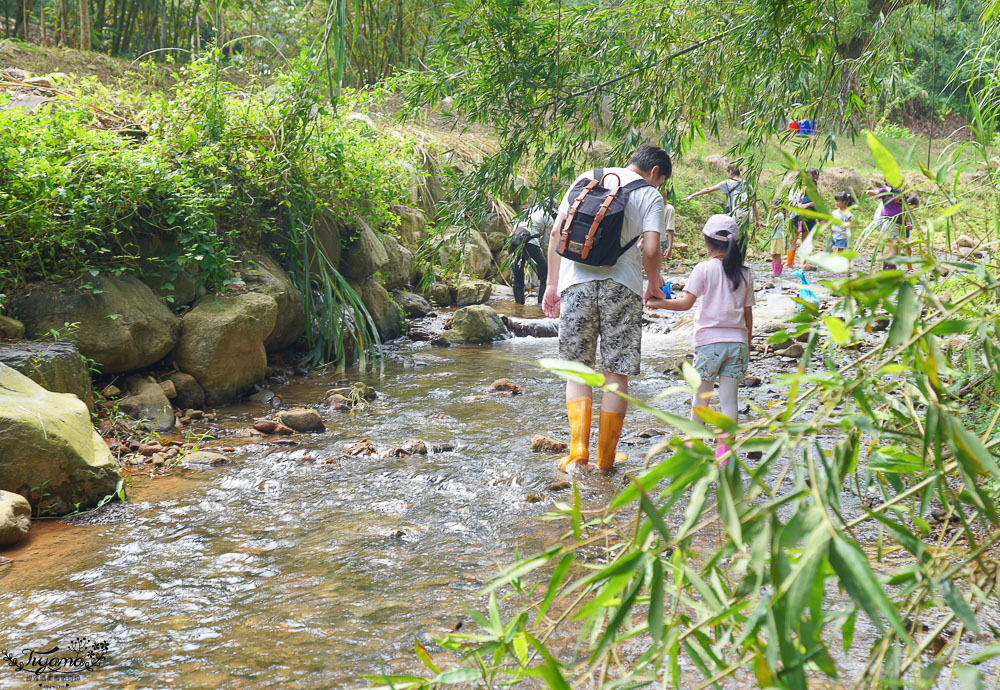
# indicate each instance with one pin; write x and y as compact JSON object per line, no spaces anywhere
{"x":636,"y":184}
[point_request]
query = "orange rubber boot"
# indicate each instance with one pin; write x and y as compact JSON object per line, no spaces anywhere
{"x":790,"y":259}
{"x":579,"y":430}
{"x":609,"y":430}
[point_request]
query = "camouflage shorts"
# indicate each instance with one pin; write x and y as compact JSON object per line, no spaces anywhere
{"x":602,"y":309}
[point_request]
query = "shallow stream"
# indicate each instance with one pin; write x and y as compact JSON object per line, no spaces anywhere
{"x":283,"y":570}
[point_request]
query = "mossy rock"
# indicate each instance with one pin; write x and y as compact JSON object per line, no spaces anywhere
{"x":364,"y":254}
{"x":222,"y":343}
{"x":475,"y":324}
{"x":121,"y":324}
{"x":49,"y":451}
{"x":263,"y":274}
{"x":56,"y":367}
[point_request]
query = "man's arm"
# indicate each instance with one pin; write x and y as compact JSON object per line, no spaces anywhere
{"x":550,"y":301}
{"x":701,"y":192}
{"x":652,"y":262}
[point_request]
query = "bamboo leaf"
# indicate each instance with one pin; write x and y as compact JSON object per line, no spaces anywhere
{"x":858,"y":580}
{"x":422,"y":654}
{"x":558,"y":574}
{"x":905,"y":317}
{"x":454,"y":676}
{"x":959,"y":605}
{"x":656,"y":623}
{"x":838,"y":329}
{"x":885,"y":161}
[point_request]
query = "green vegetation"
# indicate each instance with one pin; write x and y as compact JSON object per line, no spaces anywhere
{"x":184,"y":181}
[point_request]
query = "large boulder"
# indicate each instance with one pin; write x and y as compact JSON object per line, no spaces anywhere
{"x":57,"y":367}
{"x":15,"y":518}
{"x":147,"y":402}
{"x":49,"y":451}
{"x":412,"y":227}
{"x":476,"y":258}
{"x":398,"y":271}
{"x":326,"y":234}
{"x":121,"y":324}
{"x":413,"y":305}
{"x":473,"y":292}
{"x":189,"y":392}
{"x":475,"y":324}
{"x":364,"y":255}
{"x":222,"y":343}
{"x":384,"y":312}
{"x":263,"y":274}
{"x":10,"y":329}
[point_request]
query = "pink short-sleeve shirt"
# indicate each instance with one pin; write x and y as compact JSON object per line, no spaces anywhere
{"x":720,"y":308}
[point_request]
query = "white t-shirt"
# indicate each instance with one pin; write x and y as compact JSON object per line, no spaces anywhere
{"x":839,"y":232}
{"x":644,"y":213}
{"x":539,"y":223}
{"x":669,"y":217}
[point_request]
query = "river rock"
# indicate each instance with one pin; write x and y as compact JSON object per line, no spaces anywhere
{"x":534,"y":328}
{"x":412,"y":228}
{"x":10,"y":329}
{"x":384,"y":312}
{"x":47,"y":440}
{"x":496,"y":240}
{"x":441,"y":294}
{"x":413,"y":305}
{"x":506,"y":386}
{"x":15,"y":518}
{"x":364,"y":254}
{"x":263,"y":274}
{"x":415,"y":446}
{"x":475,"y":324}
{"x":146,"y":401}
{"x":967,"y":241}
{"x":301,"y":419}
{"x":544,"y":444}
{"x":476,"y":258}
{"x":124,"y":327}
{"x":966,"y":252}
{"x":204,"y":457}
{"x":169,"y":389}
{"x":326,"y":235}
{"x":189,"y":392}
{"x":222,"y":343}
{"x":398,"y":271}
{"x":270,"y":426}
{"x":795,"y":350}
{"x":57,"y":367}
{"x":473,"y":292}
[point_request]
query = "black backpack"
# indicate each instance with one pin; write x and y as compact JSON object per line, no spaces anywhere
{"x":592,"y":230}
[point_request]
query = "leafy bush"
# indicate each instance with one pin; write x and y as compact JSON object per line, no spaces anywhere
{"x":215,"y":169}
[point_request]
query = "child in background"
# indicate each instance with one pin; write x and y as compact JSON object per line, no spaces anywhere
{"x":724,"y":321}
{"x":778,"y":225}
{"x":839,"y":234}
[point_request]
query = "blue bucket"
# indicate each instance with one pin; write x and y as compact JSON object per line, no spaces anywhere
{"x":807,"y":127}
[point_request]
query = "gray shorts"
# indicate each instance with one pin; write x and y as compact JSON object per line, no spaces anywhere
{"x":602,"y":309}
{"x":721,"y":359}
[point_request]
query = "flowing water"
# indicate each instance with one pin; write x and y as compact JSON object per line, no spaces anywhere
{"x":283,"y":570}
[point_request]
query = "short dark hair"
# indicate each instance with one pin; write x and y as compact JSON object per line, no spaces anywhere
{"x":733,"y":169}
{"x":843,"y":196}
{"x":912,"y":200}
{"x":648,"y":156}
{"x":813,"y":173}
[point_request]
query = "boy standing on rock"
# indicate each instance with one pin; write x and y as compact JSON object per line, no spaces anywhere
{"x":604,"y":302}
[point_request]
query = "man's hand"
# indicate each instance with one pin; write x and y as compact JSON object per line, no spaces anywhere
{"x":550,"y":301}
{"x":653,"y":290}
{"x":688,"y":197}
{"x":667,"y":253}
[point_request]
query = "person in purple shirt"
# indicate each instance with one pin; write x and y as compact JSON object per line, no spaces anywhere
{"x":893,"y":219}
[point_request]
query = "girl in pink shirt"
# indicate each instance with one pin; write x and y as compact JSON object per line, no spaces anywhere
{"x":724,"y":321}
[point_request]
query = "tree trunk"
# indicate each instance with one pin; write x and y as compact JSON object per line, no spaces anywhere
{"x":63,"y":22}
{"x":84,"y":24}
{"x":22,"y":10}
{"x":163,"y":30}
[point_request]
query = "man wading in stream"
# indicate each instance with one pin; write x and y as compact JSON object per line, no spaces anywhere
{"x":595,"y":287}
